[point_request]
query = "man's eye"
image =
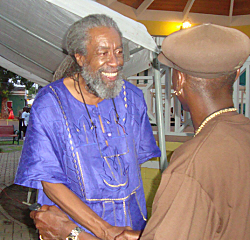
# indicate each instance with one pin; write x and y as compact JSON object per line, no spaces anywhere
{"x":120,"y":52}
{"x":103,"y":53}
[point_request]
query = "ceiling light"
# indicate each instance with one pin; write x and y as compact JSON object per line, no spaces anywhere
{"x":186,"y":24}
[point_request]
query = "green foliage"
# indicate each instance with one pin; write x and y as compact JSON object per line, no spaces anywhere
{"x":5,"y":93}
{"x":7,"y":146}
{"x":9,"y":142}
{"x":27,"y":83}
{"x":7,"y":86}
{"x":32,"y":90}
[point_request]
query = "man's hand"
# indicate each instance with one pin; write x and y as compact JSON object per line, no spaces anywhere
{"x":112,"y":232}
{"x":52,"y":223}
{"x":129,"y":235}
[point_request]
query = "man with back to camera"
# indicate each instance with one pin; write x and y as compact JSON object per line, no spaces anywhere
{"x":88,"y":133}
{"x":205,"y":191}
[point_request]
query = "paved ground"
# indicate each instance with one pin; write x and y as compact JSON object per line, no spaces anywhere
{"x":11,"y":229}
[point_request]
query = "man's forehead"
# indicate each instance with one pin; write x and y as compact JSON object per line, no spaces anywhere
{"x":99,"y":34}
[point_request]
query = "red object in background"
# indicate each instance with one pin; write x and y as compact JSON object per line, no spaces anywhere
{"x":9,"y":104}
{"x":10,"y":110}
{"x":11,"y":115}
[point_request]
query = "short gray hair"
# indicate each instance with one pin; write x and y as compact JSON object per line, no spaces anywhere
{"x":211,"y":86}
{"x":77,"y":40}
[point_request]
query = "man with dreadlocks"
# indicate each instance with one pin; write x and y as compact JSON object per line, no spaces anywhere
{"x":88,"y":134}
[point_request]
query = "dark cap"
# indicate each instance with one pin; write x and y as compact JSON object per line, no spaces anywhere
{"x":206,"y":51}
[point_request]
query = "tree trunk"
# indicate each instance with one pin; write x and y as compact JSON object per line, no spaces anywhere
{"x":4,"y":110}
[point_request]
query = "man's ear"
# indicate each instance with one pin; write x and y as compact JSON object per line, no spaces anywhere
{"x":80,"y":59}
{"x":180,"y":80}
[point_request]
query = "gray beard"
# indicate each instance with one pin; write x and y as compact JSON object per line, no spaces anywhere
{"x":96,"y":86}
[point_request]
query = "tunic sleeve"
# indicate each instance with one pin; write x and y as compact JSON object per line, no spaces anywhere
{"x":42,"y":154}
{"x":147,"y":145}
{"x":182,"y":210}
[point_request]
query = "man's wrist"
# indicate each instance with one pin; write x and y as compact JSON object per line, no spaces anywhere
{"x":74,"y":234}
{"x":68,"y":228}
{"x":104,"y":226}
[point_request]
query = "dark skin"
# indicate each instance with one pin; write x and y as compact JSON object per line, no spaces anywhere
{"x":48,"y":214}
{"x":200,"y":103}
{"x":104,"y":52}
{"x":55,"y":224}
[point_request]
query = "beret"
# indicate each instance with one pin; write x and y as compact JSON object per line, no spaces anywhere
{"x":206,"y":51}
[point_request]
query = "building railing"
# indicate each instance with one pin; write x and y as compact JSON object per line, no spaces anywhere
{"x":177,"y":121}
{"x":241,"y":95}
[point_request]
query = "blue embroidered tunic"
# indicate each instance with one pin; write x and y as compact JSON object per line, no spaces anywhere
{"x":100,"y":165}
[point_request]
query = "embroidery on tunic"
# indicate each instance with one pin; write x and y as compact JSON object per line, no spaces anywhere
{"x":79,"y":170}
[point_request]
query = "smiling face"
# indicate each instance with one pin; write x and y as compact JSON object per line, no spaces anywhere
{"x":103,"y":63}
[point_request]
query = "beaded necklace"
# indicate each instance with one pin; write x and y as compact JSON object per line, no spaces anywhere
{"x":213,"y":116}
{"x":91,"y":121}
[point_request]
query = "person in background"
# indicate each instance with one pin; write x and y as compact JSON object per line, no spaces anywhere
{"x":88,"y":134}
{"x":20,"y":123}
{"x":27,"y":117}
{"x":25,"y":120}
{"x":11,"y":114}
{"x":24,"y":126}
{"x":205,"y":191}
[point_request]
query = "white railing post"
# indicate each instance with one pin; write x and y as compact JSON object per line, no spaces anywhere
{"x":159,"y":113}
{"x":247,"y":103}
{"x":236,"y":93}
{"x":167,"y":100}
{"x":241,"y":94}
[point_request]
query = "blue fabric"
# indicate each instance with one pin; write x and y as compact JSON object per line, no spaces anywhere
{"x":101,"y":166}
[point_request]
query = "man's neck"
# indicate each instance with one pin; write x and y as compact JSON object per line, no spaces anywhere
{"x":203,"y":108}
{"x":75,"y":89}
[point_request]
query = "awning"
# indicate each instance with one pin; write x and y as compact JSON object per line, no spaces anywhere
{"x":33,"y":33}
